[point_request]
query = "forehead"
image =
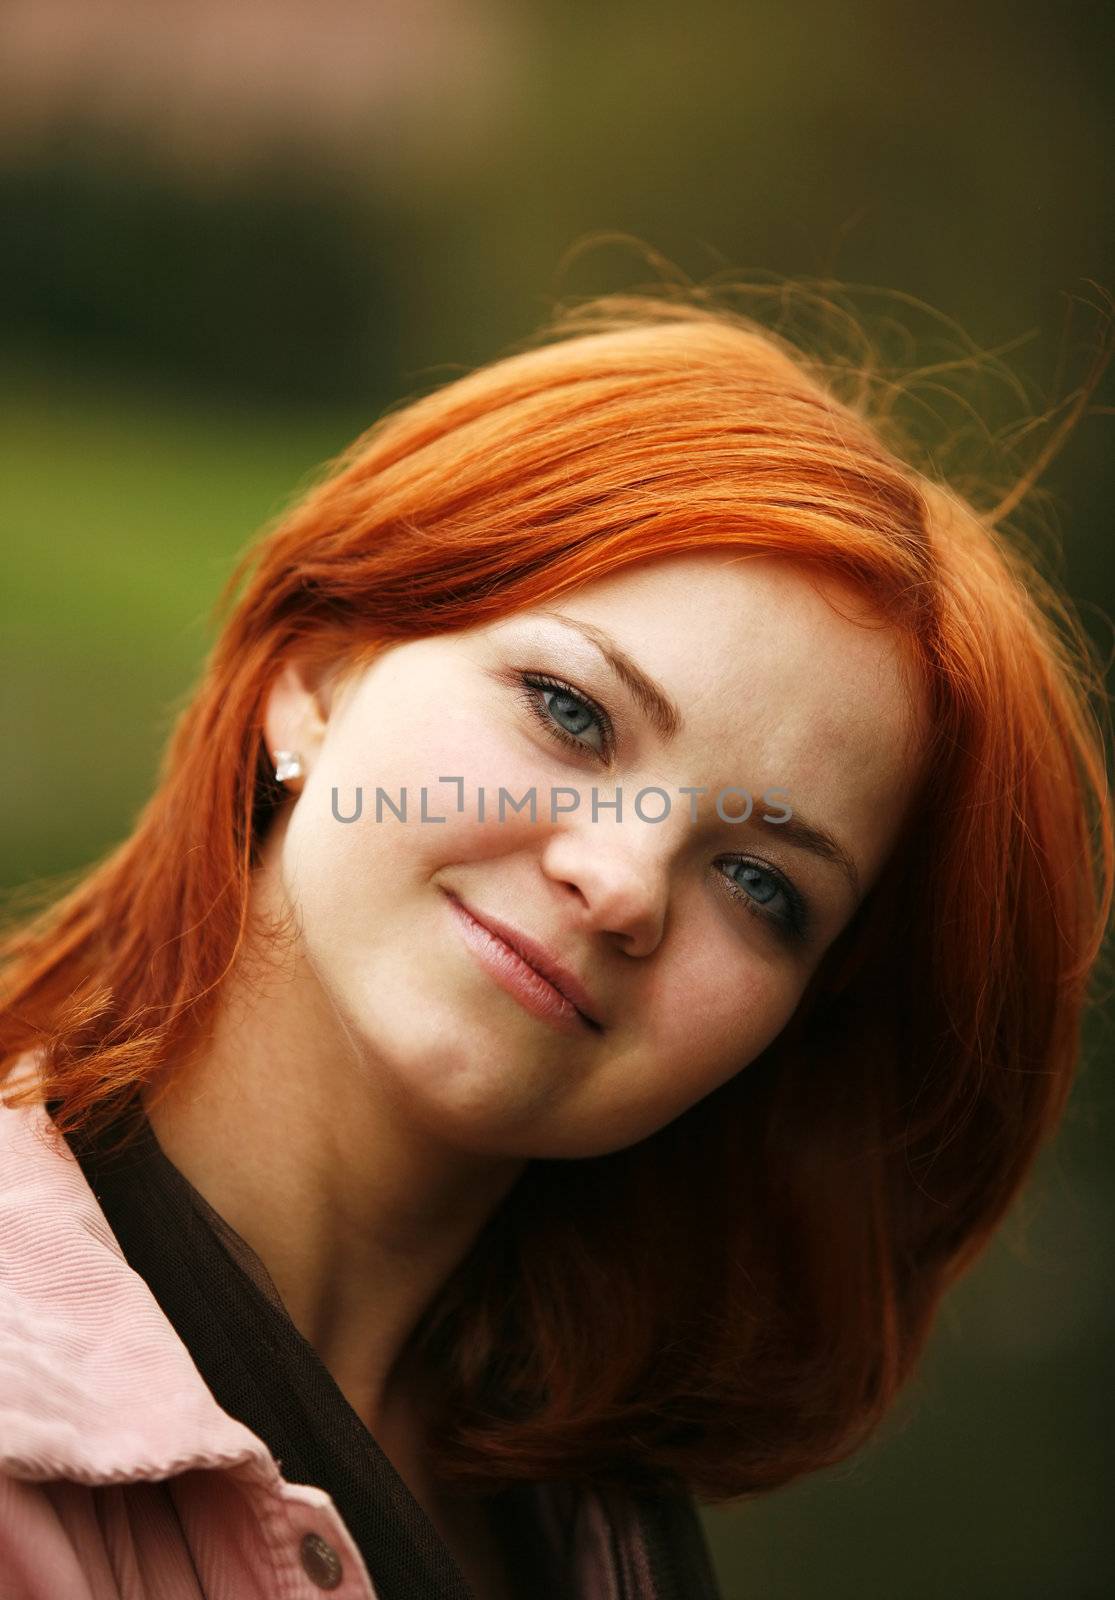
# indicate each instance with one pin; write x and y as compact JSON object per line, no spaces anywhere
{"x":783,"y":679}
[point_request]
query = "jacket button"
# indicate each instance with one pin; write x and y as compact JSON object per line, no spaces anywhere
{"x":321,"y":1562}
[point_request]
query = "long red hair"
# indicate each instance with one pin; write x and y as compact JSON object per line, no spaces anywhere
{"x":736,"y":1300}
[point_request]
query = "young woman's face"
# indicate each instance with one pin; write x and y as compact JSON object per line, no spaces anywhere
{"x":692,"y":937}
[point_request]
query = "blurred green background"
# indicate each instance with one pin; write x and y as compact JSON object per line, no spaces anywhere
{"x":234,"y":234}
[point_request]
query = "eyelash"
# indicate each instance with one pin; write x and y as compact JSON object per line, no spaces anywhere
{"x":791,"y":923}
{"x":533,"y":682}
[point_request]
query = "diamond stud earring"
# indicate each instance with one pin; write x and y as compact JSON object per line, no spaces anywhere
{"x":288,"y":764}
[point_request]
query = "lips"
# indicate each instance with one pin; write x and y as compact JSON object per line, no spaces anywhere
{"x":536,"y":956}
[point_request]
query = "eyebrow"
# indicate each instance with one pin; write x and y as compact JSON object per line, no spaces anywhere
{"x":804,"y":835}
{"x":663,"y":712}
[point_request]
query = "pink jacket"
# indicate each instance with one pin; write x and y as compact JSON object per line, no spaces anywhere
{"x":120,"y":1476}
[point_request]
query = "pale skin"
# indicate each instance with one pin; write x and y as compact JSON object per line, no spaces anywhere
{"x":360,"y":1107}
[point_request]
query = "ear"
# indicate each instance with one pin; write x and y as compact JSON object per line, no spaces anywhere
{"x":296,"y":709}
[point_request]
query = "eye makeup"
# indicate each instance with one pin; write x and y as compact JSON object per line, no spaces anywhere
{"x":533,"y":686}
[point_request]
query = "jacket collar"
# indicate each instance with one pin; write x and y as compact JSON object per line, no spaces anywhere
{"x":95,"y":1384}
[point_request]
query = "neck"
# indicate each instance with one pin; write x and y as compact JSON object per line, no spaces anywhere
{"x":358,"y":1213}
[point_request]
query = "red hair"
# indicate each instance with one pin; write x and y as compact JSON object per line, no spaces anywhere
{"x":736,"y":1300}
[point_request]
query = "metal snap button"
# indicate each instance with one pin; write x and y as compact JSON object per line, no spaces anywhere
{"x":321,"y":1562}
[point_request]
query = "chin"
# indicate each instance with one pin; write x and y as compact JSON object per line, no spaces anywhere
{"x":470,"y":1095}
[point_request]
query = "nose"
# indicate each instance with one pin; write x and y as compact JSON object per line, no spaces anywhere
{"x":621,"y":875}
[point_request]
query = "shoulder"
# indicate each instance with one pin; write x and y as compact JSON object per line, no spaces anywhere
{"x":95,"y":1384}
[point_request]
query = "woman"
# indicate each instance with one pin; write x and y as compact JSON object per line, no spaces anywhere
{"x":607,"y":944}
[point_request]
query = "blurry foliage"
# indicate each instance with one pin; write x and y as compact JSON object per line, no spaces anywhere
{"x":277,"y":290}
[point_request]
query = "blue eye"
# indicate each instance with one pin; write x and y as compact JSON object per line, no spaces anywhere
{"x":565,"y":714}
{"x":760,"y":889}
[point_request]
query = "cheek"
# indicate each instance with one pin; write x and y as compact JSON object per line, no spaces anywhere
{"x":352,"y":880}
{"x":705,"y":1020}
{"x":414,"y":748}
{"x":709,"y":1019}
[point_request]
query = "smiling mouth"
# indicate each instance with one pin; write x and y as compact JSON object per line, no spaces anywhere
{"x":515,"y":974}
